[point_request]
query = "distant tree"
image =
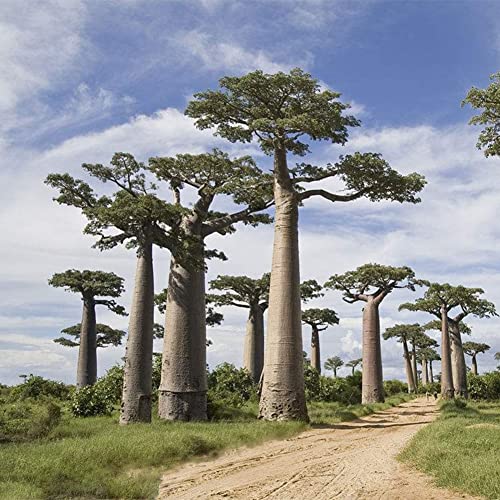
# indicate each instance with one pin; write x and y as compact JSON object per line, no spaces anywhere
{"x":333,"y":364}
{"x":251,"y":294}
{"x":93,"y":287}
{"x":105,"y":336}
{"x":420,"y":342}
{"x":439,"y":300}
{"x":404,"y":334}
{"x":319,"y":320}
{"x":488,"y":102}
{"x":370,"y":284}
{"x":284,"y":112}
{"x":354,"y":363}
{"x":473,"y":349}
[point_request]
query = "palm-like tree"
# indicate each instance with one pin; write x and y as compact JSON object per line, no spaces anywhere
{"x":472,"y":349}
{"x":354,"y":363}
{"x":333,"y":364}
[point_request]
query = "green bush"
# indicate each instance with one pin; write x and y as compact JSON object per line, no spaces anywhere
{"x":111,"y":383}
{"x":312,"y":383}
{"x":26,"y":420}
{"x":229,"y":386}
{"x":340,"y":390}
{"x":395,"y":386}
{"x":485,"y":386}
{"x":35,"y":387}
{"x":92,"y":400}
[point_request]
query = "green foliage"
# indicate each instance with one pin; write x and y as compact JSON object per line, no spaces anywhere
{"x":488,"y":102}
{"x":105,"y":336}
{"x":92,"y":284}
{"x":395,"y":386}
{"x":346,"y":391}
{"x":229,"y":386}
{"x":473,"y":348}
{"x":405,"y":332}
{"x":486,"y":386}
{"x":92,"y":400}
{"x":241,"y":291}
{"x":25,"y":420}
{"x":111,"y":384}
{"x":310,"y":289}
{"x":435,"y":324}
{"x":354,"y":363}
{"x":372,"y":279}
{"x":333,"y":363}
{"x":320,"y":318}
{"x":36,"y":387}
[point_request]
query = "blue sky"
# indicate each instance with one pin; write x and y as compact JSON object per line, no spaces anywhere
{"x":83,"y":79}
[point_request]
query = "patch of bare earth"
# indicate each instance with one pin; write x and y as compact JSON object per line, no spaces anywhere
{"x":346,"y":461}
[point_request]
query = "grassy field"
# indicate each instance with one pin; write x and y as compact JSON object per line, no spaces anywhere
{"x":95,"y":457}
{"x":461,"y":449}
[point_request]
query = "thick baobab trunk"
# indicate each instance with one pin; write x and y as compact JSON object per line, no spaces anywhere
{"x":315,"y":350}
{"x":137,"y":382}
{"x":283,"y":396}
{"x":335,"y":373}
{"x":431,"y":375}
{"x":447,"y":391}
{"x":474,"y":365}
{"x":409,"y":370}
{"x":183,"y":387}
{"x":253,"y":355}
{"x":458,"y":366}
{"x":425,"y":372}
{"x":86,"y":373}
{"x":372,"y":380}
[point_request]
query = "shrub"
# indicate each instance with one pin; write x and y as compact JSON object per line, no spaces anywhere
{"x":111,"y":384}
{"x":35,"y":387}
{"x":312,"y":383}
{"x":25,"y":420}
{"x":340,"y":390}
{"x":92,"y":400}
{"x":395,"y":386}
{"x":485,"y":386}
{"x":229,"y":386}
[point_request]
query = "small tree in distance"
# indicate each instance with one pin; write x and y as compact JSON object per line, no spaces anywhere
{"x":354,"y":364}
{"x":319,"y":320}
{"x":472,"y":349}
{"x":93,"y":287}
{"x":333,"y":364}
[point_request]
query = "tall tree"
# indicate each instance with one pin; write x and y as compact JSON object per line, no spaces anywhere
{"x":354,"y":363}
{"x":134,"y":215}
{"x":93,"y":287}
{"x":251,"y":294}
{"x":424,"y":356}
{"x":333,"y":364}
{"x":319,"y":320}
{"x":421,"y":341}
{"x":283,"y":111}
{"x":183,"y":389}
{"x":488,"y":102}
{"x":403,"y":333}
{"x":432,"y":356}
{"x":439,"y":300}
{"x":472,"y":349}
{"x":370,"y":284}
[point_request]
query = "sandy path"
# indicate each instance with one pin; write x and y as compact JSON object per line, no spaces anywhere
{"x":345,"y":461}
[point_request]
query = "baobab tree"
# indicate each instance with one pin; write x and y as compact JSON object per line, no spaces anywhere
{"x":488,"y":101}
{"x":251,"y":294}
{"x":183,"y":388}
{"x":472,"y":349}
{"x":94,"y":288}
{"x":424,"y":356}
{"x":403,"y":333}
{"x":421,"y":341}
{"x":439,"y":300}
{"x":333,"y":364}
{"x":432,"y":355}
{"x":105,"y":336}
{"x":136,"y":216}
{"x":283,"y":111}
{"x":370,"y":284}
{"x":354,"y":363}
{"x":319,"y":320}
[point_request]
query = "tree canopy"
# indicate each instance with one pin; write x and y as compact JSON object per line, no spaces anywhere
{"x":354,"y":363}
{"x":474,"y":348}
{"x":92,"y":284}
{"x":333,"y":363}
{"x":372,"y":280}
{"x":240,"y":291}
{"x":488,"y":102}
{"x":435,"y":324}
{"x":320,"y":319}
{"x":403,"y":332}
{"x":106,"y":336}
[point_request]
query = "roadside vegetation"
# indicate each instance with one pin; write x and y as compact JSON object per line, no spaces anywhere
{"x":461,"y":448}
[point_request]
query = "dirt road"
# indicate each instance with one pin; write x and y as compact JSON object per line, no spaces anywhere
{"x":344,"y":461}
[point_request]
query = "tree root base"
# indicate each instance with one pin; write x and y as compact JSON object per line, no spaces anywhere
{"x":184,"y":406}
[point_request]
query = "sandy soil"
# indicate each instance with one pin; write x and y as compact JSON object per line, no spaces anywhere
{"x":345,"y":461}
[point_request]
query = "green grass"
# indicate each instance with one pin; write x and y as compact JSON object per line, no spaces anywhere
{"x":96,"y":458}
{"x":461,"y":449}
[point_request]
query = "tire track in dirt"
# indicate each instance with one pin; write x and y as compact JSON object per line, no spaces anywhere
{"x":351,"y":460}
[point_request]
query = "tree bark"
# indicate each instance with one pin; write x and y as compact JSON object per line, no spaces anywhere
{"x":372,"y":380}
{"x":430,"y":372}
{"x":253,"y":356}
{"x":283,"y":396}
{"x":447,"y":391}
{"x":425,"y":372}
{"x":414,"y":365}
{"x":474,"y":365}
{"x":86,"y":373}
{"x":409,"y":370}
{"x":315,"y":350}
{"x":183,"y":387}
{"x":458,"y":366}
{"x":335,"y":373}
{"x":137,"y":382}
